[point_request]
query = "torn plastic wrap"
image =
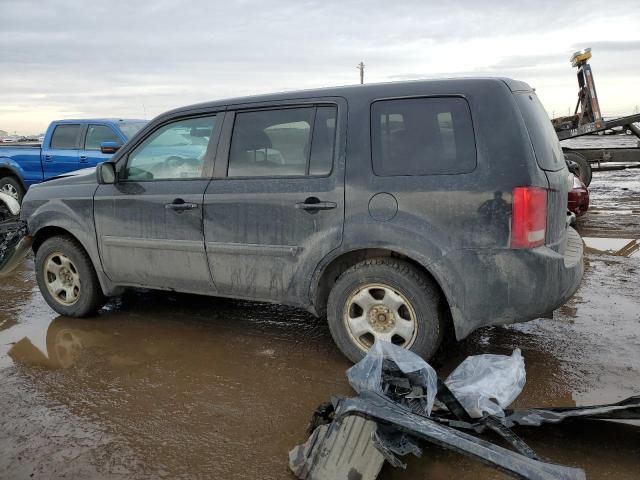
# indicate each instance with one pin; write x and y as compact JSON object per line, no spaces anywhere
{"x":487,"y":384}
{"x":396,"y":373}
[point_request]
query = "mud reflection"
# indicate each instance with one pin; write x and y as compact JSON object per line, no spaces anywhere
{"x":191,"y":385}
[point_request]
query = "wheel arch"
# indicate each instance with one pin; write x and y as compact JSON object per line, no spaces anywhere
{"x":327,"y":274}
{"x":46,"y":232}
{"x":7,"y":170}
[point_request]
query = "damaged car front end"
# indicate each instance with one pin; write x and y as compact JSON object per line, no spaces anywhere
{"x":15,"y":244}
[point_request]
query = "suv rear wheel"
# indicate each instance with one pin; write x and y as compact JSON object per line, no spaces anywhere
{"x":385,"y":299}
{"x":67,"y":279}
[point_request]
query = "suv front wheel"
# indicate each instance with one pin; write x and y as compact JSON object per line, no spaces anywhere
{"x":385,"y":299}
{"x":67,"y":279}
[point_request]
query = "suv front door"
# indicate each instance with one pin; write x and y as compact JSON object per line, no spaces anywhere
{"x":149,"y":223}
{"x":275,"y":207}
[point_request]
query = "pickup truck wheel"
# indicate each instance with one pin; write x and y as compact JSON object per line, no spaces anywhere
{"x":11,"y":186}
{"x":67,"y":279}
{"x":385,"y":299}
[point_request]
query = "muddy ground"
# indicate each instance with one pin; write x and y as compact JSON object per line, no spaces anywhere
{"x":176,"y":386}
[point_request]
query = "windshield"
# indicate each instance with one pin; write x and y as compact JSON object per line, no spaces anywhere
{"x":130,"y":129}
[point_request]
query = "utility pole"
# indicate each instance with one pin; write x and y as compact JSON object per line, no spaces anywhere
{"x":361,"y":68}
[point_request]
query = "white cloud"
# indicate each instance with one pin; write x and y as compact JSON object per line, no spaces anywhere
{"x":120,"y":58}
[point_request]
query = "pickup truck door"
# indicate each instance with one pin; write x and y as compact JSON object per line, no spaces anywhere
{"x":275,"y":207}
{"x":90,"y":154}
{"x":149,"y":223}
{"x":60,"y":153}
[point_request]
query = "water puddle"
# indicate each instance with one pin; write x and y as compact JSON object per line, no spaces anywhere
{"x":623,"y":247}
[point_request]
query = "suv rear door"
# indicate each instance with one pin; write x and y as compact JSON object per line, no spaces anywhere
{"x":275,"y":207}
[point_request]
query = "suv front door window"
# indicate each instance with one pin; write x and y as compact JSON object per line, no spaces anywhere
{"x":174,"y":151}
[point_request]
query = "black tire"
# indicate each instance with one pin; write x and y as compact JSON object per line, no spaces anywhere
{"x":403,"y":278}
{"x":13,"y":187}
{"x":584,"y":166}
{"x":90,"y":297}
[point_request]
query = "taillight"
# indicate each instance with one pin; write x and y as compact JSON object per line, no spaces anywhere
{"x":528,"y":217}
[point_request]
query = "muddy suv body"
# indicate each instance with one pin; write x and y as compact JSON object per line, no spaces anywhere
{"x":398,"y":210}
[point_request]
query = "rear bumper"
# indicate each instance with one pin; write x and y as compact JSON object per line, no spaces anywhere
{"x":509,"y":286}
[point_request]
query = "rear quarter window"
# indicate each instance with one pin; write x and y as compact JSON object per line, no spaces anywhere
{"x":543,"y":137}
{"x":422,"y":136}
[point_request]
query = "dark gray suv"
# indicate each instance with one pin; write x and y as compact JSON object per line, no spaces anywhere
{"x":399,"y":210}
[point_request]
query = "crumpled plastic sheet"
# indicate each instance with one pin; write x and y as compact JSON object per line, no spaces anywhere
{"x":486,"y":384}
{"x":367,"y":374}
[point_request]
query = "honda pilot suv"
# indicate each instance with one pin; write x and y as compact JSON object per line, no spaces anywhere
{"x":400,"y":211}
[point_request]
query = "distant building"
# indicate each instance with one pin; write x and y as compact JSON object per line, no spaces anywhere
{"x":3,"y":134}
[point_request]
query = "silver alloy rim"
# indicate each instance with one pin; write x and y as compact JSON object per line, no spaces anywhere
{"x":379,"y":312}
{"x":9,"y":190}
{"x":62,"y":279}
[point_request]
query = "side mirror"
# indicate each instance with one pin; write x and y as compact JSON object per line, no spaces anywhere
{"x":109,"y":147}
{"x":106,"y":173}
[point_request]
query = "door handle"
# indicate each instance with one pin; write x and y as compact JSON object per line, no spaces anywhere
{"x":84,"y":158}
{"x":47,"y":158}
{"x":313,"y":204}
{"x":179,"y":205}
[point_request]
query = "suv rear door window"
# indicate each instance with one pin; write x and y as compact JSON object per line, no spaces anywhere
{"x":422,"y":136}
{"x":280,"y":143}
{"x":65,"y":137}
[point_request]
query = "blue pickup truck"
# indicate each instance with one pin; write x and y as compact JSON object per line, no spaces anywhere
{"x":68,"y":145}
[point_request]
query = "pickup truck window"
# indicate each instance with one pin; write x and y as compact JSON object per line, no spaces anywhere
{"x":422,"y":136}
{"x":174,"y":151}
{"x":97,"y":134}
{"x":129,"y":129}
{"x":279,"y":143}
{"x":65,"y":137}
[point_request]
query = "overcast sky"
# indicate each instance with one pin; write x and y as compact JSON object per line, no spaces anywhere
{"x":74,"y":58}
